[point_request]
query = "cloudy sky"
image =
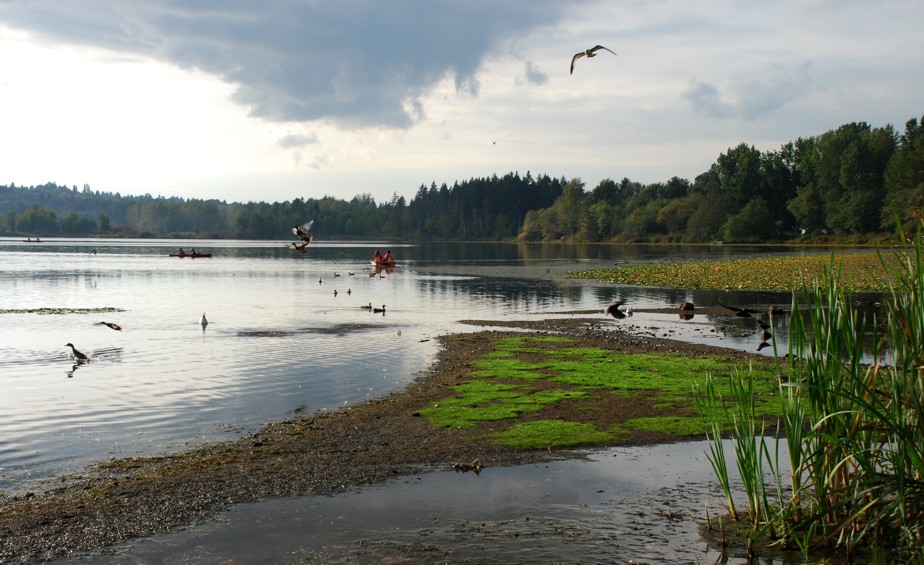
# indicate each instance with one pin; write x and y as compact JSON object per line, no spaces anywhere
{"x":279,"y":99}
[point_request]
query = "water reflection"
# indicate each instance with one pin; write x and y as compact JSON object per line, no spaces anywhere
{"x":282,"y":331}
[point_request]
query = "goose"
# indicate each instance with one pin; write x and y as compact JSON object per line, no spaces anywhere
{"x":592,"y":52}
{"x":203,"y":321}
{"x":300,"y":248}
{"x":112,"y":325}
{"x":366,"y":307}
{"x":302,"y":231}
{"x":378,"y":310}
{"x":77,"y":354}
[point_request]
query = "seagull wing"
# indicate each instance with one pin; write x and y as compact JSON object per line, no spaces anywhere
{"x":599,"y":47}
{"x":574,"y":60}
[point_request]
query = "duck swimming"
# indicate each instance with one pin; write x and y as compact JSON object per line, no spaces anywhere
{"x":203,"y":321}
{"x":379,"y":310}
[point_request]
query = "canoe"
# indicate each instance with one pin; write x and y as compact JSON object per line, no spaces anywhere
{"x":383,"y":263}
{"x":192,"y":255}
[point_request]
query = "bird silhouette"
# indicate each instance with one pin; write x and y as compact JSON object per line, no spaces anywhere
{"x":80,"y":356}
{"x":366,"y":306}
{"x":763,"y":325}
{"x":765,"y":335}
{"x":112,"y":325}
{"x":300,"y":248}
{"x":762,"y":345}
{"x":592,"y":52}
{"x":614,"y":311}
{"x":379,"y":310}
{"x":203,"y":321}
{"x":302,"y":231}
{"x":741,"y":312}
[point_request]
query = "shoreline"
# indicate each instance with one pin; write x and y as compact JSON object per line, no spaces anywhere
{"x":323,"y":453}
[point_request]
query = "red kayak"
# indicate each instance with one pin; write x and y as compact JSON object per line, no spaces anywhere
{"x":192,"y":255}
{"x":384,"y":263}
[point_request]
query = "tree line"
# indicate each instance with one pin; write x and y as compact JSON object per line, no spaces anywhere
{"x":477,"y":209}
{"x":852,"y":182}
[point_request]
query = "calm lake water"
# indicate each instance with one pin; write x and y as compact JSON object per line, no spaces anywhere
{"x":280,"y":340}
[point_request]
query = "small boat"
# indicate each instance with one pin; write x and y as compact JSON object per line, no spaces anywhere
{"x":193,"y":255}
{"x":30,"y":240}
{"x":383,"y":263}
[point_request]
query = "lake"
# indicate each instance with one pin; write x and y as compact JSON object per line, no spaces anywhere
{"x":287,"y":333}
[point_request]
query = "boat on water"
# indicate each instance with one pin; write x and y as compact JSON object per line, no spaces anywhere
{"x":30,"y":240}
{"x":192,"y":254}
{"x":383,"y":263}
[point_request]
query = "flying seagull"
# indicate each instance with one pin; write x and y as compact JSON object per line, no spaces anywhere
{"x":589,"y":53}
{"x":112,"y":325}
{"x":302,"y":232}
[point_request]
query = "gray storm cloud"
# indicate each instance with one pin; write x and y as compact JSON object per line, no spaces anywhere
{"x":355,"y":63}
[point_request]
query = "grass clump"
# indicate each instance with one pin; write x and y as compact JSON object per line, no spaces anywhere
{"x":540,"y":434}
{"x":854,"y":430}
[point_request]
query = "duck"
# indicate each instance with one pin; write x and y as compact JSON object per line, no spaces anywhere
{"x":300,"y":248}
{"x":592,"y":52}
{"x":379,"y":310}
{"x":77,"y":354}
{"x":203,"y":321}
{"x":111,"y":325}
{"x":302,"y":231}
{"x":366,"y":306}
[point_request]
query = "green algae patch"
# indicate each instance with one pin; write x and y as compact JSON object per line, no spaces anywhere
{"x":538,"y":392}
{"x":541,"y":434}
{"x":480,"y":401}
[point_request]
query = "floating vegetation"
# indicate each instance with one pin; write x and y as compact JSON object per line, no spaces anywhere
{"x":860,"y":272}
{"x":59,"y":311}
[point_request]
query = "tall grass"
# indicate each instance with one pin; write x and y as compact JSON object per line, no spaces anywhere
{"x":854,"y":429}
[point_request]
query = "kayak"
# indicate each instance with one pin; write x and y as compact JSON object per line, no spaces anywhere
{"x":383,"y":263}
{"x":192,"y":255}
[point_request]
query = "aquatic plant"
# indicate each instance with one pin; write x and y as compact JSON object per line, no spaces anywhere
{"x":855,"y":431}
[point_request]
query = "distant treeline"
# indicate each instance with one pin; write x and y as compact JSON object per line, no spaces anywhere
{"x":852,"y":182}
{"x":477,"y":209}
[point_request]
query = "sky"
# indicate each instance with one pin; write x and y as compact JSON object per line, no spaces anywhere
{"x":281,"y":99}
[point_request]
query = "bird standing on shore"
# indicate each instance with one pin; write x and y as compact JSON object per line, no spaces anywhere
{"x":592,"y":52}
{"x":80,"y":356}
{"x":111,"y":325}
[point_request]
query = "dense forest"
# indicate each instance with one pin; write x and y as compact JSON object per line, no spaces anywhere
{"x":477,"y":209}
{"x":853,"y":182}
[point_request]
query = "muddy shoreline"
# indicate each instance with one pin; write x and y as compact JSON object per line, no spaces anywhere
{"x":323,"y":453}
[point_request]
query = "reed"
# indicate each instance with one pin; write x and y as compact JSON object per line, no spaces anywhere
{"x":854,"y":429}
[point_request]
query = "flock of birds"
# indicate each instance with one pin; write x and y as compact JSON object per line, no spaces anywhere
{"x":763,"y":328}
{"x":305,"y":237}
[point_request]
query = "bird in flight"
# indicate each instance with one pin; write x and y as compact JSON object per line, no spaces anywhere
{"x":592,"y":52}
{"x":112,"y":325}
{"x":614,"y":311}
{"x":300,"y":248}
{"x":302,"y":231}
